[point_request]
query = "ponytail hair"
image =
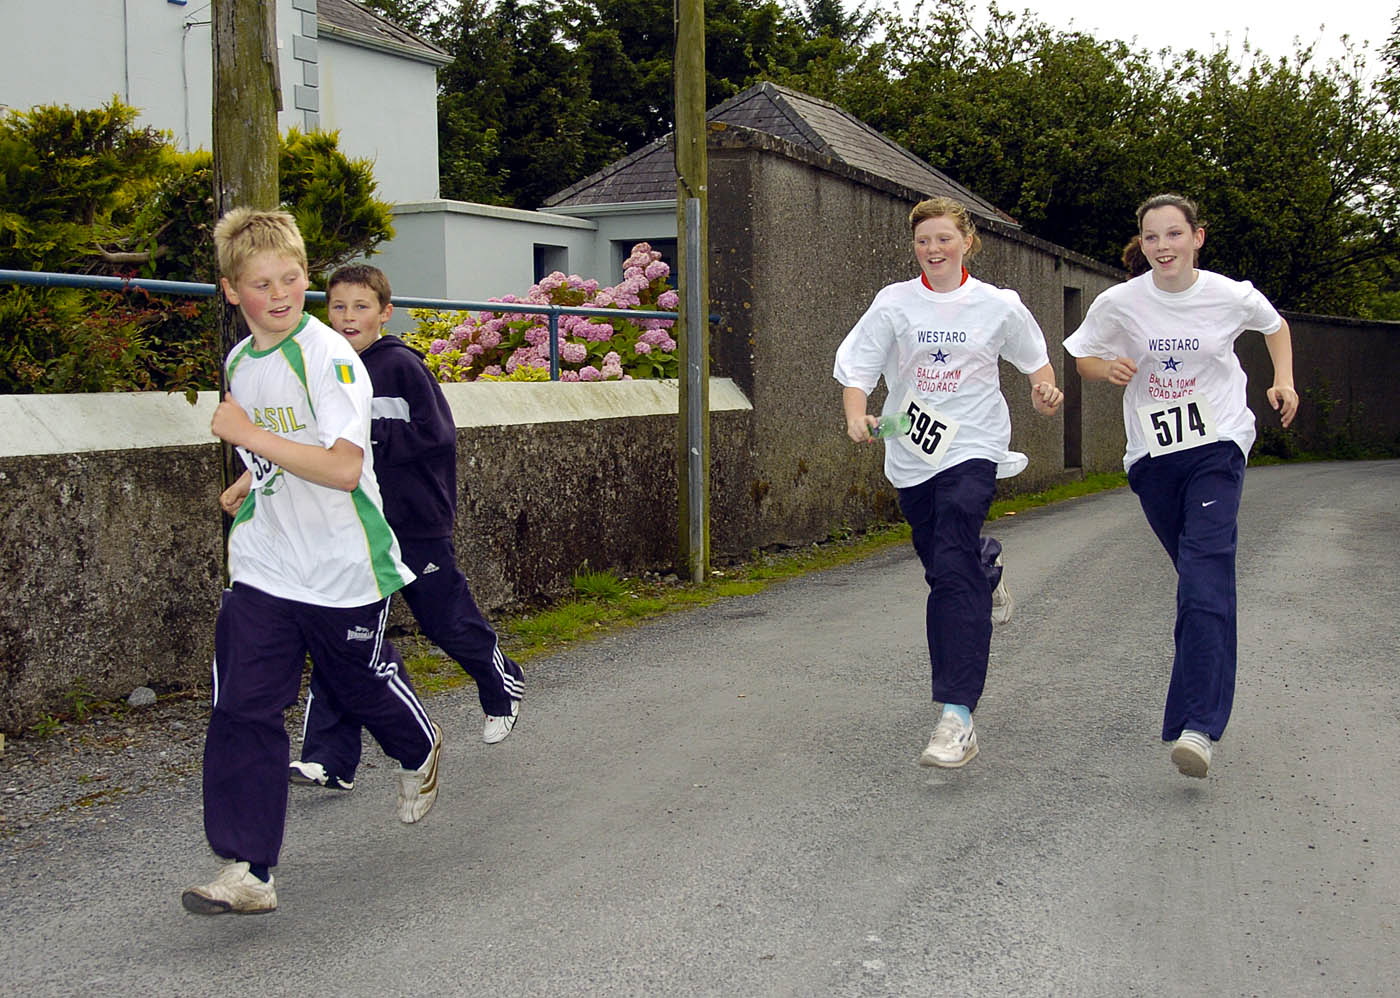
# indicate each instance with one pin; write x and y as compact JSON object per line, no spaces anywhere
{"x":1134,"y":262}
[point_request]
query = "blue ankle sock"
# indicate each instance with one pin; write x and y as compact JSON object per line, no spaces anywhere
{"x":259,"y":871}
{"x":958,"y":711}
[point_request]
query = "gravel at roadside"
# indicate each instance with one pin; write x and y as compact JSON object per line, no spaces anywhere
{"x":81,"y":775}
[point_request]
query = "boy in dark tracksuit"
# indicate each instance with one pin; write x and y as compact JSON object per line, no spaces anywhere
{"x":414,"y":438}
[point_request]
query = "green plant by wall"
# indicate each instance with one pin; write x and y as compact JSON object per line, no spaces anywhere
{"x":86,"y":191}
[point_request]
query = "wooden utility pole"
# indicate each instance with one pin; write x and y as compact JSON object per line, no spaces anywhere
{"x":247,"y":97}
{"x":693,"y":327}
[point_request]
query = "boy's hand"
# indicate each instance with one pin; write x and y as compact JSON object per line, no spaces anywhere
{"x":230,"y":423}
{"x":1046,"y":398}
{"x":1284,"y":399}
{"x":232,"y":497}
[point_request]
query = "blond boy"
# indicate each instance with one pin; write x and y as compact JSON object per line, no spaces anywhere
{"x":312,"y":564}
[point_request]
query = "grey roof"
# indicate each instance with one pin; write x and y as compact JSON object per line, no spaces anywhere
{"x":806,"y":122}
{"x":347,"y":19}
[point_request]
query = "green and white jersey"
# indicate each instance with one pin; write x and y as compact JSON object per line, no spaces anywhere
{"x":292,"y":538}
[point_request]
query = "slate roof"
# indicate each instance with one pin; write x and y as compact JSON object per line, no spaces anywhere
{"x":816,"y":125}
{"x":345,"y":17}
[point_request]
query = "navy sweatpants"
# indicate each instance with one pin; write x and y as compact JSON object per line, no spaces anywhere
{"x":946,"y":514}
{"x":1192,"y":502}
{"x":443,"y":604}
{"x":260,"y":648}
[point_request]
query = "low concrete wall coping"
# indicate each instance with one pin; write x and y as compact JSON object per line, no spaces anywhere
{"x":107,"y":421}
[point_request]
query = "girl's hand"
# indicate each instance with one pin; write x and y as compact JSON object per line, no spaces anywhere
{"x":1046,"y":398}
{"x":1284,"y":399}
{"x":858,"y":428}
{"x":1120,"y":371}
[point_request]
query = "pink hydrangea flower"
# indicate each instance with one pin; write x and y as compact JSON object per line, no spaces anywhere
{"x":656,"y":269}
{"x":573,"y":353}
{"x":642,"y":347}
{"x":438,"y":346}
{"x":667,"y":301}
{"x":589,"y":373}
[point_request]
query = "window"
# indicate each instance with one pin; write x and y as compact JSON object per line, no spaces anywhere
{"x":666,"y":246}
{"x":548,"y":259}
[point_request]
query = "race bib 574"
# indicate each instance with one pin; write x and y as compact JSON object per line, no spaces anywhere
{"x":1177,"y":425}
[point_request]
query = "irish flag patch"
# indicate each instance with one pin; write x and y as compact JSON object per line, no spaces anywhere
{"x":344,"y":373}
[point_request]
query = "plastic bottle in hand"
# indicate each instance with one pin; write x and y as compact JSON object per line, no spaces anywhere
{"x":896,"y":424}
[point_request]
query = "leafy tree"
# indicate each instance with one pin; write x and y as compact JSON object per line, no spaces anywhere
{"x":332,"y":199}
{"x":68,"y":180}
{"x":422,"y":17}
{"x":1295,"y":164}
{"x":543,"y":92}
{"x":1297,"y":167}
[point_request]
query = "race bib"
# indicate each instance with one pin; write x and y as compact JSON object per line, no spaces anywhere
{"x":267,"y":477}
{"x":1177,"y":425}
{"x":930,"y":433}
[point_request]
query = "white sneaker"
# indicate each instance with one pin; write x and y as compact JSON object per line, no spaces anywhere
{"x":1002,"y":603}
{"x":418,"y":788}
{"x":235,"y":890}
{"x":1191,"y":753}
{"x":313,"y":774}
{"x":953,"y":744}
{"x":497,"y":728}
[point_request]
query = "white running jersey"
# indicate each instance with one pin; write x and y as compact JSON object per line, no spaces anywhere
{"x":1183,"y":343}
{"x":943,"y":348}
{"x":292,"y":538}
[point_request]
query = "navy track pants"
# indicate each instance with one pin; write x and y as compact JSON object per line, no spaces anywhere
{"x":1192,"y":502}
{"x":260,"y":647}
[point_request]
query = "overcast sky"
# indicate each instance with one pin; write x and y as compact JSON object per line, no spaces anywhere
{"x":1269,"y":24}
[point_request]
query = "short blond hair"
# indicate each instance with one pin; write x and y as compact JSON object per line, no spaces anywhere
{"x":954,"y":209}
{"x":243,"y":233}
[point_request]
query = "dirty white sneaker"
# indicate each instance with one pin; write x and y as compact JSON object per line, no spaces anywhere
{"x":1002,"y":603}
{"x":418,"y":788}
{"x":953,"y":744}
{"x":497,"y":728}
{"x":1191,"y":753}
{"x":233,"y":890}
{"x":313,"y":774}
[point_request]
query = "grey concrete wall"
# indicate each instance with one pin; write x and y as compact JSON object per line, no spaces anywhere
{"x":110,"y":536}
{"x":1345,"y":370}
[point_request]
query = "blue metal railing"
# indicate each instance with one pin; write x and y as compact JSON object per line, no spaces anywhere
{"x":198,"y":290}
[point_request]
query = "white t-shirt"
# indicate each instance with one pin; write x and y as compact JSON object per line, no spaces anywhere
{"x":292,"y":538}
{"x":1183,"y":343}
{"x":943,"y":348}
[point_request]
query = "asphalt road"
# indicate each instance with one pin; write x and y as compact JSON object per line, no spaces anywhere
{"x":727,"y":803}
